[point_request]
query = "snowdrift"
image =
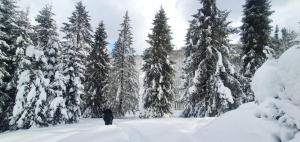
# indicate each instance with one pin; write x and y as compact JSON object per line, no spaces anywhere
{"x":274,"y":117}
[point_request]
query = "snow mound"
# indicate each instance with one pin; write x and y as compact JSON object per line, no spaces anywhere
{"x":240,"y":125}
{"x":276,"y":86}
{"x":279,"y":78}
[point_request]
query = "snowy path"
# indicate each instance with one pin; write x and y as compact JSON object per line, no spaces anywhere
{"x":93,"y":130}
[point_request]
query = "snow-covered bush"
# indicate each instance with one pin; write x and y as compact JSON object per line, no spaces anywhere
{"x":276,"y":86}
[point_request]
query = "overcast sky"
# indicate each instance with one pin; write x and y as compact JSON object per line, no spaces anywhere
{"x":142,"y":13}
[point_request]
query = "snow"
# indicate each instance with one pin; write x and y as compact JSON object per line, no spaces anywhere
{"x":32,"y":51}
{"x":239,"y":125}
{"x":276,"y":86}
{"x":224,"y":91}
{"x":123,"y":130}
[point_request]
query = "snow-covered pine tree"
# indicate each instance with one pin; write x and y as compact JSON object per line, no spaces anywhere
{"x":212,"y":84}
{"x":47,"y":40}
{"x":123,"y":82}
{"x":276,"y":42}
{"x":73,"y":69}
{"x":16,"y":29}
{"x":255,"y":34}
{"x":31,"y":99}
{"x":288,"y":39}
{"x":159,"y":73}
{"x":97,"y":74}
{"x":256,"y":31}
{"x":77,"y":46}
{"x":8,"y":37}
{"x":79,"y":28}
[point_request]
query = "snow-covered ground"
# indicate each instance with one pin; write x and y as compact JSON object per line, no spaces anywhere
{"x":124,"y":130}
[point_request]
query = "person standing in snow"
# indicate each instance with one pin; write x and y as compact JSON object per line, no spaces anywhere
{"x":108,"y":117}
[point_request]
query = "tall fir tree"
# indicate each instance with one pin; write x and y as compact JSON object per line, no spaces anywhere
{"x":77,"y":46}
{"x":212,"y":86}
{"x":123,"y":82}
{"x":159,"y":74}
{"x":48,"y":41}
{"x":255,"y":34}
{"x":97,"y":74}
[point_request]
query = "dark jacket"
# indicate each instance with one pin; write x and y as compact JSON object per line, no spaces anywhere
{"x":108,"y":117}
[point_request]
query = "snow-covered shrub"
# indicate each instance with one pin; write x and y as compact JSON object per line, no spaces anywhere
{"x":276,"y":86}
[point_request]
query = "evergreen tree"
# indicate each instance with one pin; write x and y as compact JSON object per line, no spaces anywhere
{"x":159,"y":74}
{"x":123,"y":82}
{"x":47,"y":39}
{"x":256,"y":31}
{"x":97,"y":74}
{"x":77,"y":46}
{"x":276,"y":33}
{"x":276,"y":42}
{"x":15,"y":30}
{"x":212,"y":86}
{"x":288,"y":39}
{"x":8,"y":35}
{"x":31,"y":104}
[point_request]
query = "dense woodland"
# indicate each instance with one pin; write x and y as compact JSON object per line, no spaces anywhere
{"x":46,"y":80}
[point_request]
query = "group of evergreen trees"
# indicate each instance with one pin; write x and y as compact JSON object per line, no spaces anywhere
{"x":283,"y":42}
{"x":47,"y":81}
{"x":212,"y":85}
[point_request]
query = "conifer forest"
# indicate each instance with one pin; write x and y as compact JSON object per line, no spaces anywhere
{"x":150,"y":71}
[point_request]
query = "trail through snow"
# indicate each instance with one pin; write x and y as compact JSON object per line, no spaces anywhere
{"x":124,"y":130}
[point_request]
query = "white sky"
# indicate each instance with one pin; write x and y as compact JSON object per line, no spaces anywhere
{"x":142,"y":13}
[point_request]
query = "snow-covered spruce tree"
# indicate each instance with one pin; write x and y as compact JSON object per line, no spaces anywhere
{"x":159,"y":74}
{"x":76,"y":48}
{"x":256,"y":31}
{"x":15,"y":29}
{"x":123,"y":81}
{"x":255,"y":34}
{"x":47,"y":40}
{"x":276,"y":46}
{"x":97,"y":74}
{"x":287,"y":39}
{"x":212,"y":87}
{"x":31,"y":104}
{"x":8,"y":66}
